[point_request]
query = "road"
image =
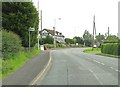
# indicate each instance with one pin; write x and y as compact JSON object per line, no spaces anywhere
{"x":73,"y":67}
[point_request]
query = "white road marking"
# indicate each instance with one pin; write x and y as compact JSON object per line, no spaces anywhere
{"x":41,"y":73}
{"x":96,"y":61}
{"x":111,"y":67}
{"x":115,"y":69}
{"x":95,"y":76}
{"x":102,"y":63}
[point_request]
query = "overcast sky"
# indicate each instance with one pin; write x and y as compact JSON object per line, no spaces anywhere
{"x":77,"y":15}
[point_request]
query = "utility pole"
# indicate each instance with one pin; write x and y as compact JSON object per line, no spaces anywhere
{"x":55,"y":31}
{"x":108,"y":31}
{"x":29,"y":38}
{"x":38,"y":26}
{"x":41,"y":26}
{"x":94,"y":31}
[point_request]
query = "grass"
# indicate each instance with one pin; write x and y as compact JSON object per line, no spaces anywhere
{"x":12,"y":64}
{"x":97,"y":51}
{"x":109,"y":55}
{"x":94,"y":51}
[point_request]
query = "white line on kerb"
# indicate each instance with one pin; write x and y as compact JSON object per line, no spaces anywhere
{"x":41,"y":73}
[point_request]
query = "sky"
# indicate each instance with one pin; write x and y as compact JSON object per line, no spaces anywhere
{"x":77,"y":16}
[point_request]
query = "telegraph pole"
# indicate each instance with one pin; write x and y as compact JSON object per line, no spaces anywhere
{"x":94,"y":31}
{"x":38,"y":25}
{"x":108,"y":31}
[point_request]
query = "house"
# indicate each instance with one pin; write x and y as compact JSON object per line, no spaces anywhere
{"x":58,"y":35}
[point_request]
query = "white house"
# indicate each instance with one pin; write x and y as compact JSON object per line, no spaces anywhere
{"x":58,"y":35}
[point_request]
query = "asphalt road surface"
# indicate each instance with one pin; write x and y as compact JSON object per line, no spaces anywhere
{"x":73,"y":67}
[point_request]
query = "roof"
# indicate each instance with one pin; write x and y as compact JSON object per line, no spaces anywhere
{"x":51,"y":31}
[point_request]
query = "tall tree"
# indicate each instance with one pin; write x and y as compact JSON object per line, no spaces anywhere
{"x":99,"y":39}
{"x":88,"y":38}
{"x":112,"y":38}
{"x":79,"y":40}
{"x":69,"y":41}
{"x":18,"y":17}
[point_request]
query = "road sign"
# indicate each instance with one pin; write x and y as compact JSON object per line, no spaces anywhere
{"x":31,"y":29}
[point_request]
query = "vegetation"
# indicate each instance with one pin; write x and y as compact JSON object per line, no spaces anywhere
{"x":47,"y":40}
{"x":88,"y":38}
{"x":18,"y":17}
{"x":14,"y":55}
{"x":14,"y":62}
{"x":11,"y":44}
{"x":111,"y":48}
{"x":99,"y":39}
{"x":95,"y":50}
{"x":78,"y":40}
{"x":112,"y":38}
{"x":58,"y":45}
{"x":69,"y":41}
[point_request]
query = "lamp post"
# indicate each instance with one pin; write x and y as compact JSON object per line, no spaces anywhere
{"x":54,"y":31}
{"x":30,"y":29}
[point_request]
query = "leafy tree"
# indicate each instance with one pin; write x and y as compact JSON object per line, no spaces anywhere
{"x":112,"y":38}
{"x":69,"y":41}
{"x":79,"y":40}
{"x":88,"y":38}
{"x":47,"y":40}
{"x":100,"y":38}
{"x":18,"y":17}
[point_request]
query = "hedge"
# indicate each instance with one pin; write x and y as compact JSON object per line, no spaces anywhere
{"x":11,"y":44}
{"x":111,"y":48}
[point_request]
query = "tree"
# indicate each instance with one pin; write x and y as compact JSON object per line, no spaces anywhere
{"x":47,"y":40}
{"x":99,"y":39}
{"x":69,"y":41}
{"x":112,"y":38}
{"x":79,"y":40}
{"x":88,"y":38}
{"x":18,"y":17}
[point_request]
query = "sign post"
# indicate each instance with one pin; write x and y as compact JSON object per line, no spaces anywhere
{"x":30,"y":29}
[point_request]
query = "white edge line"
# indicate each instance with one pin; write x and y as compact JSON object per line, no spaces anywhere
{"x":42,"y":72}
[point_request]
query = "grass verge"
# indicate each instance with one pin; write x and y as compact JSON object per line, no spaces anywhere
{"x":12,"y":64}
{"x":94,"y":51}
{"x":97,"y":51}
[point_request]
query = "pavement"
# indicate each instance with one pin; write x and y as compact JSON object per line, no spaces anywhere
{"x":74,"y":67}
{"x":27,"y":73}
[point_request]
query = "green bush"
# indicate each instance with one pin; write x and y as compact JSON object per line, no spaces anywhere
{"x":14,"y":62}
{"x":111,"y":48}
{"x":11,"y":44}
{"x":58,"y":45}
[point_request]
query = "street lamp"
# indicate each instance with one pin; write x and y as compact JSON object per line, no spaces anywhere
{"x":54,"y":31}
{"x":30,"y":29}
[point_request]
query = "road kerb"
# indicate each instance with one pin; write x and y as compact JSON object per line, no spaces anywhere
{"x":42,"y":73}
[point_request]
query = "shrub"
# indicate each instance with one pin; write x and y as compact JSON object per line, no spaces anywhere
{"x":11,"y":44}
{"x":111,"y":48}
